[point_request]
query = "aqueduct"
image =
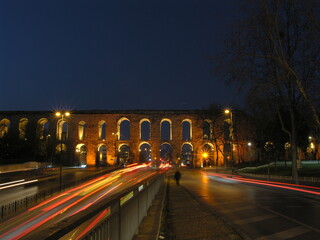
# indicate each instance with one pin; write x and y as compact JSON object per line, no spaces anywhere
{"x":113,"y":137}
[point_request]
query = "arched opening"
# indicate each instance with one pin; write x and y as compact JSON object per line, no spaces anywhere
{"x":4,"y":127}
{"x":124,"y":129}
{"x":186,"y":130}
{"x":166,"y":153}
{"x":82,"y":127}
{"x":23,"y":128}
{"x":145,"y":129}
{"x":62,"y":130}
{"x":102,"y":130}
{"x":102,"y":155}
{"x":145,"y":153}
{"x":81,"y":155}
{"x":42,"y":129}
{"x":187,"y":154}
{"x":124,"y":155}
{"x":207,"y":129}
{"x":166,"y":129}
{"x":207,"y":155}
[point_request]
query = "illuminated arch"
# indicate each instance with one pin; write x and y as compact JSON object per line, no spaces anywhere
{"x":82,"y":127}
{"x":163,"y":134}
{"x":62,"y":130}
{"x":207,"y":129}
{"x":207,"y":154}
{"x":102,"y":159}
{"x":144,"y":152}
{"x":123,"y":130}
{"x":124,"y":154}
{"x":4,"y":127}
{"x":102,"y":130}
{"x":42,"y":128}
{"x":187,"y":154}
{"x":142,"y":127}
{"x":186,"y":130}
{"x":81,"y":154}
{"x":23,"y":128}
{"x":166,"y":152}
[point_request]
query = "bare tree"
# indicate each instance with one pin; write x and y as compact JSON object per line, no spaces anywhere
{"x":275,"y":52}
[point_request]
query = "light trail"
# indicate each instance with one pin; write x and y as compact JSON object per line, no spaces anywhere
{"x":265,"y":183}
{"x":7,"y":183}
{"x":18,"y":184}
{"x":71,"y":202}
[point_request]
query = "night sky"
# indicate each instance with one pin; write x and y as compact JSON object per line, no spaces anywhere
{"x":112,"y":55}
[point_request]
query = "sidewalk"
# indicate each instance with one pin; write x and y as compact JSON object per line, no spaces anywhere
{"x":189,"y":219}
{"x":183,"y":217}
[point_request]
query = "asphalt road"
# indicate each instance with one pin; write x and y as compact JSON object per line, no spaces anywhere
{"x":257,"y":209}
{"x":73,"y":201}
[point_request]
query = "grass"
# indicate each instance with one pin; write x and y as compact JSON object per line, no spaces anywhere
{"x":307,"y":170}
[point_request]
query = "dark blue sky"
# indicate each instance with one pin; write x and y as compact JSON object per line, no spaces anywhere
{"x":140,"y":54}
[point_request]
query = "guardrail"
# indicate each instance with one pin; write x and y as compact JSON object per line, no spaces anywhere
{"x":117,"y":218}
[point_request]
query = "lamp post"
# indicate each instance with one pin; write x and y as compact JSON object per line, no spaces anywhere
{"x":115,"y":147}
{"x":61,"y":116}
{"x":229,"y":112}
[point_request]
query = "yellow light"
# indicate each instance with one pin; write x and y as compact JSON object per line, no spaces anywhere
{"x":205,"y":155}
{"x":227,"y":111}
{"x":58,"y":114}
{"x":67,"y":114}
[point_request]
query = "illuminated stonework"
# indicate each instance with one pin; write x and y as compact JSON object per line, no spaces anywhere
{"x":94,"y":137}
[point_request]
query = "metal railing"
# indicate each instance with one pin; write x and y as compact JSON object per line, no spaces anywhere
{"x":127,"y":209}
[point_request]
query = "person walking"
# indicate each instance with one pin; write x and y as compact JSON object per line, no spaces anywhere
{"x":177,"y":177}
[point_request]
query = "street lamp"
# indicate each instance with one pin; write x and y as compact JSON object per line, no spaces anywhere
{"x":229,"y":112}
{"x":205,"y":156}
{"x":61,"y":116}
{"x":115,"y":147}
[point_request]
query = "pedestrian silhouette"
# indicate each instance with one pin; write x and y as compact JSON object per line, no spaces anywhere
{"x":177,"y":177}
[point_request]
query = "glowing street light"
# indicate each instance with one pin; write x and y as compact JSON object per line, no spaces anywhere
{"x":204,"y":155}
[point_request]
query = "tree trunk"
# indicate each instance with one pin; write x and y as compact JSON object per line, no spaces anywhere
{"x":293,"y":146}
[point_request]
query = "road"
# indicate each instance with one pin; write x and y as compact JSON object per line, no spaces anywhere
{"x":73,"y":201}
{"x":258,"y":209}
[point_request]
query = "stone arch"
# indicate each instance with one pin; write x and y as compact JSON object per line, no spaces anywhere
{"x":166,"y":152}
{"x":124,"y":154}
{"x":145,"y":129}
{"x":42,"y":128}
{"x":123,"y":127}
{"x":207,"y":129}
{"x":82,"y":130}
{"x":4,"y":127}
{"x":23,"y":128}
{"x":102,"y":159}
{"x":81,"y":154}
{"x":165,"y":129}
{"x":144,"y":152}
{"x":62,"y":130}
{"x":187,"y":154}
{"x":207,"y":155}
{"x":102,"y":130}
{"x":186,"y":130}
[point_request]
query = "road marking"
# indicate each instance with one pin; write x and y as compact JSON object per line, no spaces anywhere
{"x":289,"y":233}
{"x":254,"y":219}
{"x":235,"y":209}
